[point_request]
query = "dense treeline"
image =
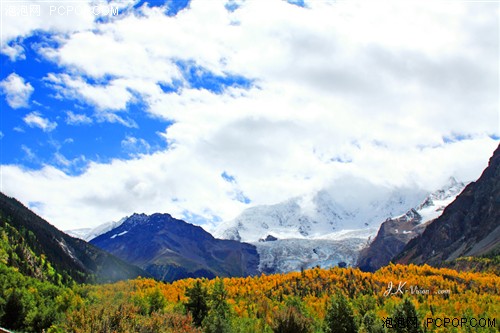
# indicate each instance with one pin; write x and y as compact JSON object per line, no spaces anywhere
{"x":28,"y":304}
{"x":16,"y":251}
{"x":317,"y":300}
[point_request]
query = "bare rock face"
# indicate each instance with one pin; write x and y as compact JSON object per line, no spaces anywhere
{"x":391,"y":238}
{"x":469,"y":226}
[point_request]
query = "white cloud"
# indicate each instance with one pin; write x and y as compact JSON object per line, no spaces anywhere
{"x":180,"y":180}
{"x":114,"y":118}
{"x":17,"y":92}
{"x":21,"y":19}
{"x":77,"y":164}
{"x":340,"y":88}
{"x":77,"y":119}
{"x":35,"y":119}
{"x":135,"y":146}
{"x":28,"y":153}
{"x":14,"y":52}
{"x":113,"y":96}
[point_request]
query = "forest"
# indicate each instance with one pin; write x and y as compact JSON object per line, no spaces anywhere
{"x":316,"y":300}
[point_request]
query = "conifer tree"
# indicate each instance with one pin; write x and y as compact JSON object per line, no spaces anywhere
{"x":217,"y":319}
{"x":339,"y":316}
{"x":371,"y":324}
{"x":197,"y":303}
{"x":406,"y":318}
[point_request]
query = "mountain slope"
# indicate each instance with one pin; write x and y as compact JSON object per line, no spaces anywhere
{"x":353,"y":204}
{"x":395,"y":233}
{"x":469,"y":226}
{"x":172,"y":249}
{"x":69,"y":256}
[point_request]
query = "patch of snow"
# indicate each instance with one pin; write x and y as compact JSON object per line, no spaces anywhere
{"x":87,"y":234}
{"x":365,"y":233}
{"x":78,"y":233}
{"x":119,"y":234}
{"x":66,"y":249}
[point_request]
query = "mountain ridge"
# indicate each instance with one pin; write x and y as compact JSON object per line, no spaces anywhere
{"x":170,"y":249}
{"x":83,"y":262}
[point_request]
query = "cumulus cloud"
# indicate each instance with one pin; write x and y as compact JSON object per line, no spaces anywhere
{"x":358,"y":89}
{"x":35,"y":119}
{"x":17,"y":91}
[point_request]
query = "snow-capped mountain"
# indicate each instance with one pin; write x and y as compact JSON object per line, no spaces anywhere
{"x":350,"y":206}
{"x":335,"y":224}
{"x":87,"y":234}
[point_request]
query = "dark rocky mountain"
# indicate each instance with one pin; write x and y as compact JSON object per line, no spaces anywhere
{"x":171,"y":249}
{"x":391,"y":238}
{"x":469,"y":226}
{"x":71,"y":257}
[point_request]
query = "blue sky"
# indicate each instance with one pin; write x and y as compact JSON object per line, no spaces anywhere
{"x":79,"y":134}
{"x":204,"y":108}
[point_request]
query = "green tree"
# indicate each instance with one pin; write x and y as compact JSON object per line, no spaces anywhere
{"x":217,"y":319}
{"x":18,"y":303}
{"x":14,"y":310}
{"x":339,"y":316}
{"x":406,"y":318}
{"x":197,"y":303}
{"x":156,"y":301}
{"x":371,"y":324}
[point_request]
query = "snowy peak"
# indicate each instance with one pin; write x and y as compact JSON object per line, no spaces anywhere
{"x":351,"y":205}
{"x":88,"y":234}
{"x":433,"y":206}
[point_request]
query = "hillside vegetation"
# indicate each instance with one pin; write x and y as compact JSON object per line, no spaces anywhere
{"x":316,"y":300}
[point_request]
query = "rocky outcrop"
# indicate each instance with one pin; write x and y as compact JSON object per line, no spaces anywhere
{"x":391,"y":238}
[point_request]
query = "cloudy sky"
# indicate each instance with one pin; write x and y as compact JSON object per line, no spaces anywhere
{"x":203,"y":108}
